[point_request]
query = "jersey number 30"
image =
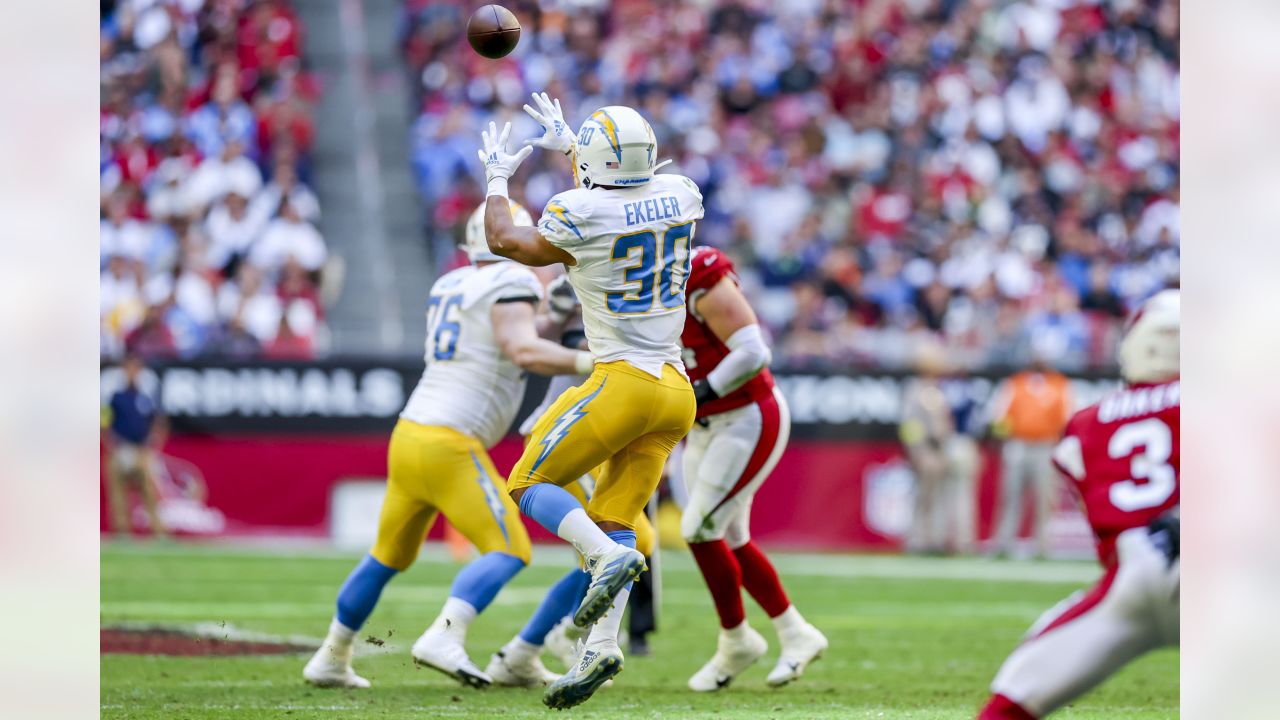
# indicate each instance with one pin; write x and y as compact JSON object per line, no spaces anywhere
{"x":1153,"y":479}
{"x":643,"y":251}
{"x":442,"y":325}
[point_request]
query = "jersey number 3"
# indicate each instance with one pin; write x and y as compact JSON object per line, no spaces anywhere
{"x":674,"y":261}
{"x":442,"y":325}
{"x":1153,"y":479}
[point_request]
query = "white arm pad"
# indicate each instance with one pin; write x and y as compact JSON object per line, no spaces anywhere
{"x":748,"y":355}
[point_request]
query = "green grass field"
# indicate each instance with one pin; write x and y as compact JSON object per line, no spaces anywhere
{"x":910,"y":638}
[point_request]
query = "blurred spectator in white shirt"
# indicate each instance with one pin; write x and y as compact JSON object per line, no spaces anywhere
{"x":774,"y":210}
{"x":137,"y":240}
{"x":188,"y":294}
{"x":232,"y":229}
{"x":285,"y":183}
{"x":1036,"y":103}
{"x":1029,"y":25}
{"x":289,"y":236}
{"x":247,"y":302}
{"x":1161,"y":222}
{"x":222,"y":173}
{"x":169,"y":197}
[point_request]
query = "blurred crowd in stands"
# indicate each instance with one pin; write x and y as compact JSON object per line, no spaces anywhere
{"x":1001,"y":177}
{"x":207,"y":242}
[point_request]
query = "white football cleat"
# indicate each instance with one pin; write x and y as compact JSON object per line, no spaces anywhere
{"x":799,"y":649}
{"x":441,"y":651}
{"x":610,"y":573}
{"x":562,"y":642}
{"x":525,"y":672}
{"x":331,"y":668}
{"x":734,"y":654}
{"x":599,"y":663}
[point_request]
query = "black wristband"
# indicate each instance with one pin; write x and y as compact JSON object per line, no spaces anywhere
{"x":573,"y":338}
{"x":1166,"y":532}
{"x":703,"y":393}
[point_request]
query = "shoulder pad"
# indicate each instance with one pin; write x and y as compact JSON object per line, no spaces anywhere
{"x":563,"y":220}
{"x":707,"y":266}
{"x":501,"y":281}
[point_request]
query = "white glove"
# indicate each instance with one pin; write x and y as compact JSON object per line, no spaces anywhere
{"x":562,"y":301}
{"x":556,"y":133}
{"x":499,"y":165}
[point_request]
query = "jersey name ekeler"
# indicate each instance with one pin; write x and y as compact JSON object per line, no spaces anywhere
{"x":468,"y":384}
{"x":632,"y":248}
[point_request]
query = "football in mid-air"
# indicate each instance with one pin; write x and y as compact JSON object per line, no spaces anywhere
{"x":493,"y":31}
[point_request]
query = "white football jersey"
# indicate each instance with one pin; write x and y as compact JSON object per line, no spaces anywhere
{"x":468,"y":384}
{"x":632,"y":250}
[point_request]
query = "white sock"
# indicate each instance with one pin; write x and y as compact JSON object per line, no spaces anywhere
{"x":735,"y":633}
{"x":339,"y":633}
{"x":606,"y":628}
{"x":338,"y":645}
{"x":455,"y":618}
{"x":788,"y":622}
{"x":583,"y":533}
{"x":519,"y":649}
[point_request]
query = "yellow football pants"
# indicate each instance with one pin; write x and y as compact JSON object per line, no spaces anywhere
{"x":433,"y":470}
{"x":622,"y":419}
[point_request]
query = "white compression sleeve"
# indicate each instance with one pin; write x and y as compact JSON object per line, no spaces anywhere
{"x":748,"y":355}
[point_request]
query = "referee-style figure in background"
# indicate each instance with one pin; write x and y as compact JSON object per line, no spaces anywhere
{"x":1030,"y":410}
{"x":926,"y":430}
{"x":133,"y":428}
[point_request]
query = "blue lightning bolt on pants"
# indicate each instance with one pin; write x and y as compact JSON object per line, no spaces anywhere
{"x":621,"y":420}
{"x":434,"y":470}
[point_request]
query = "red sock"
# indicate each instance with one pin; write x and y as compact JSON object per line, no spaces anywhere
{"x":761,"y":580}
{"x":1002,"y":708}
{"x":724,"y":579}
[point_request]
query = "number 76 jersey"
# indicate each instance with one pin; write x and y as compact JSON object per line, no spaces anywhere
{"x":632,"y":246}
{"x":1121,"y":455}
{"x":468,"y":384}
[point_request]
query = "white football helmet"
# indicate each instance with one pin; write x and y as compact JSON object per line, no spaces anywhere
{"x":615,"y":146}
{"x":476,"y":245}
{"x":1149,"y":348}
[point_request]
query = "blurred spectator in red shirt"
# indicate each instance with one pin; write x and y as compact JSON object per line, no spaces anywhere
{"x":294,"y":340}
{"x":152,"y":339}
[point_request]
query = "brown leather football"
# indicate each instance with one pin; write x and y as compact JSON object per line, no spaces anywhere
{"x":493,"y":31}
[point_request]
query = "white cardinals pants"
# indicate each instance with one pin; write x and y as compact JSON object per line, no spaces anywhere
{"x":725,"y":463}
{"x":964,"y":460}
{"x":1025,"y":464}
{"x":1084,"y":639}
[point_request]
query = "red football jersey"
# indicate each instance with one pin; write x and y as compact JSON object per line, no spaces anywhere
{"x":1121,"y":455}
{"x":702,"y":349}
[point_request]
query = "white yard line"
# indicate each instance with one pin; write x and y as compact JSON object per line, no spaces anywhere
{"x":810,"y":564}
